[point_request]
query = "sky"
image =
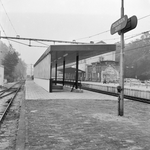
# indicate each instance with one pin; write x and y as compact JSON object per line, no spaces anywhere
{"x":67,"y":20}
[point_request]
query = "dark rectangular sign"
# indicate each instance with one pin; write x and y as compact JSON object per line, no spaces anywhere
{"x":119,"y":24}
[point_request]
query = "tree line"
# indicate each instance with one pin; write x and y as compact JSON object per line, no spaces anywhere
{"x":14,"y":67}
{"x":136,"y":57}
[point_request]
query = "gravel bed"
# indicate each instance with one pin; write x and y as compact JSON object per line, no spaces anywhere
{"x":9,"y":127}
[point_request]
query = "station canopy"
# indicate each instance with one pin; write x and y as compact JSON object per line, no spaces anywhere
{"x":69,"y":52}
{"x":71,"y":70}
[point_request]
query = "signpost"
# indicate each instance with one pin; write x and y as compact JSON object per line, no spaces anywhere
{"x":131,"y":24}
{"x":122,"y":26}
{"x":119,"y":24}
{"x":121,"y":94}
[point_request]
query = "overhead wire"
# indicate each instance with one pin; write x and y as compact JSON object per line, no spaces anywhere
{"x":22,"y":42}
{"x":5,"y":34}
{"x":19,"y":42}
{"x":8,"y":17}
{"x":128,"y":50}
{"x":3,"y":30}
{"x":136,"y":47}
{"x":75,"y":39}
{"x":144,"y":17}
{"x":110,"y":54}
{"x":42,"y":43}
{"x":108,"y":30}
{"x":136,"y":35}
{"x":95,"y":56}
{"x":13,"y":25}
{"x":93,"y":35}
{"x":27,"y":44}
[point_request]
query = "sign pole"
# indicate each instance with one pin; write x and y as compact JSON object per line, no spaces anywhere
{"x":122,"y":25}
{"x":121,"y":96}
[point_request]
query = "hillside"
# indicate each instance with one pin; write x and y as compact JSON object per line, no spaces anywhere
{"x":137,"y":57}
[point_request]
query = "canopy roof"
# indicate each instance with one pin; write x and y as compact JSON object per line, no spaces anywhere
{"x":71,"y":70}
{"x":69,"y":52}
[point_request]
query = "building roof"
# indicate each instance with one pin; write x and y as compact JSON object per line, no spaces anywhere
{"x":69,"y":52}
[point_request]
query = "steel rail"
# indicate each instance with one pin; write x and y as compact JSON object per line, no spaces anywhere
{"x":8,"y":89}
{"x":9,"y":104}
{"x":8,"y":94}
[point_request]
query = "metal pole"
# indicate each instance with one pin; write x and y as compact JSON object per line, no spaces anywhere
{"x":56,"y":73}
{"x":50,"y":76}
{"x":44,"y":40}
{"x":77,"y":65}
{"x":121,"y":102}
{"x":64,"y":71}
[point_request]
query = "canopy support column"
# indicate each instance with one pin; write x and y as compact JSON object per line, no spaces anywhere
{"x":56,"y":73}
{"x":51,"y":80}
{"x":64,"y":71}
{"x":77,"y":65}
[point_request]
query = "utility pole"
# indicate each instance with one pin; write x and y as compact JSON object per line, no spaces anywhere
{"x":122,"y":25}
{"x":121,"y":101}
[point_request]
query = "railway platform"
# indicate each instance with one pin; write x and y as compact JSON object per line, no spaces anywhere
{"x":65,"y":120}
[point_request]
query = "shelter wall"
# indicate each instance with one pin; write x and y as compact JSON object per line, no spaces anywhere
{"x":42,"y":72}
{"x":42,"y":69}
{"x":44,"y":83}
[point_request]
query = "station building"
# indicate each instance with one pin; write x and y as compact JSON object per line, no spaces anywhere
{"x":61,"y":55}
{"x":103,"y":71}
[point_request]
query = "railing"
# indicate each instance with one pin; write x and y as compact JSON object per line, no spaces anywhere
{"x":139,"y":84}
{"x":68,"y":82}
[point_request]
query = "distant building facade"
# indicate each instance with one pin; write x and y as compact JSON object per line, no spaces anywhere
{"x":103,"y":71}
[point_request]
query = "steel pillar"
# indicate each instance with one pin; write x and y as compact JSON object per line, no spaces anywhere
{"x":64,"y":71}
{"x":56,"y":73}
{"x":50,"y":74}
{"x":77,"y":65}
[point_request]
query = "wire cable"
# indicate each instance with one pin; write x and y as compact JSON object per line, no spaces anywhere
{"x":127,"y":50}
{"x":42,"y":43}
{"x":144,"y":17}
{"x":5,"y":34}
{"x":3,"y":30}
{"x":8,"y":17}
{"x":136,"y":35}
{"x":107,"y":30}
{"x":27,"y":44}
{"x":93,"y":35}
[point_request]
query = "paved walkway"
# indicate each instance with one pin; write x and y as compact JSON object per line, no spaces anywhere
{"x":81,"y":121}
{"x":34,"y":92}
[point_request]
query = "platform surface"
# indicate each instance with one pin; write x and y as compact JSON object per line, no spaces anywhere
{"x":81,"y":121}
{"x":33,"y":91}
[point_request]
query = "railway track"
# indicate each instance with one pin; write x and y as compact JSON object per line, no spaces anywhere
{"x":7,"y":97}
{"x":116,"y":95}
